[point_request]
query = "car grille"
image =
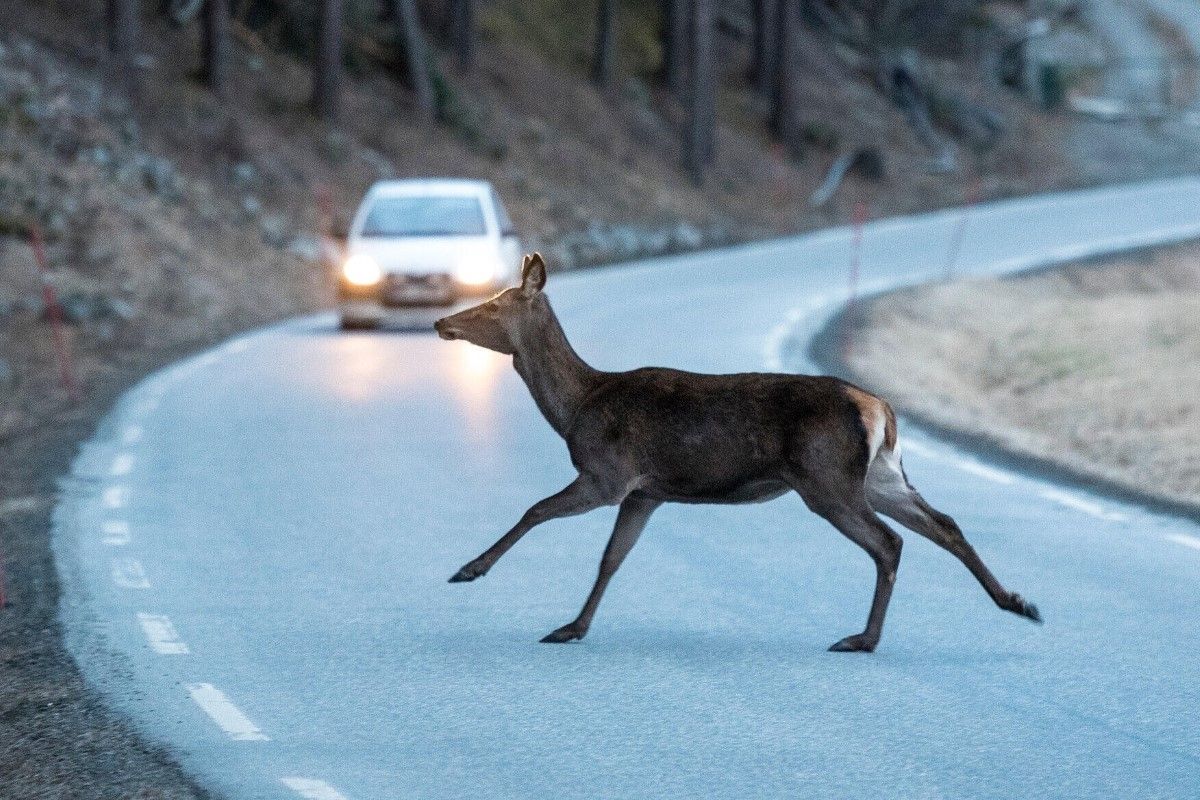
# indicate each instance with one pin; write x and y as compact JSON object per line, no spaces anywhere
{"x":418,"y":290}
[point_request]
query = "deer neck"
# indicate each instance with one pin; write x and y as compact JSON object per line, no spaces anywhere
{"x":557,"y":377}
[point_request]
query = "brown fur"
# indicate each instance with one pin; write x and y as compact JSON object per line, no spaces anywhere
{"x":653,"y":435}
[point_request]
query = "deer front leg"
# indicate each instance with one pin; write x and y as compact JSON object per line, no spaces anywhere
{"x":631,"y":520}
{"x":580,"y":496}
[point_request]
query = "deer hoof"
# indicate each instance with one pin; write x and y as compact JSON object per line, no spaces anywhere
{"x":469,"y":572}
{"x":566,"y":633}
{"x":1025,"y":608}
{"x":858,"y":643}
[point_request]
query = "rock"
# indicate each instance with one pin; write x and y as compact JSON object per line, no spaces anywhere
{"x":686,"y":237}
{"x":160,"y":177}
{"x":305,"y":247}
{"x":274,"y":230}
{"x":80,"y":306}
{"x":244,"y":173}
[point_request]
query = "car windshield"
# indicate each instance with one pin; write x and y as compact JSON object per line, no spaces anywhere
{"x":424,"y":216}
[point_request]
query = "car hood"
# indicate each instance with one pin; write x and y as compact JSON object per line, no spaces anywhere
{"x":424,"y":255}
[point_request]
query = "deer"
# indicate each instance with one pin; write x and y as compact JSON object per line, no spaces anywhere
{"x":649,"y":436}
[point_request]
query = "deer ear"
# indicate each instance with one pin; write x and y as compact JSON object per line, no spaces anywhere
{"x":533,"y":274}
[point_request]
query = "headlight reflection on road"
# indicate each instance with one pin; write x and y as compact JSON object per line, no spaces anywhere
{"x":475,"y":373}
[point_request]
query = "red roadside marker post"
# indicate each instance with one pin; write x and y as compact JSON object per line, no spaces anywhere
{"x":857,"y":221}
{"x":62,"y":353}
{"x":960,"y":227}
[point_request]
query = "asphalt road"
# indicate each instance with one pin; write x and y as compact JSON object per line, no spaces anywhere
{"x":255,"y":550}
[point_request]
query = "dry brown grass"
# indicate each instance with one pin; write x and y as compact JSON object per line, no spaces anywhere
{"x":1095,"y":367}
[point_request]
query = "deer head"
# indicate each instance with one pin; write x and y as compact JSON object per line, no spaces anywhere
{"x":500,"y":323}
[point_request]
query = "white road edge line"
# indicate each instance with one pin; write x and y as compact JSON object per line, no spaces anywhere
{"x":121,"y":465}
{"x":1185,"y":540}
{"x":116,"y":532}
{"x":1079,"y":504}
{"x":161,"y":635}
{"x":312,"y":789}
{"x":128,"y":573}
{"x":984,"y":471}
{"x":221,"y":710}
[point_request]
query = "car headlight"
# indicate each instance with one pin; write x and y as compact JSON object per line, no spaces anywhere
{"x":476,"y":271}
{"x":361,"y":270}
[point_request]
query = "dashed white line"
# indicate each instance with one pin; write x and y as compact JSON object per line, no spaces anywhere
{"x":132,"y":434}
{"x":115,"y":496}
{"x":1185,"y":540}
{"x":221,"y":710}
{"x":161,"y":635}
{"x":121,"y":465}
{"x":116,"y":532}
{"x":1080,"y":504}
{"x":312,"y":789}
{"x":128,"y":573}
{"x":207,"y":360}
{"x":238,"y":346}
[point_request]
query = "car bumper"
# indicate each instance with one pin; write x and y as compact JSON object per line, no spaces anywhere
{"x":392,"y":302}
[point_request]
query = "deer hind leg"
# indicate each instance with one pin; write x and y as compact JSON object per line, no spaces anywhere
{"x":847,"y":510}
{"x":889,"y":492}
{"x":583,"y":494}
{"x":631,"y":521}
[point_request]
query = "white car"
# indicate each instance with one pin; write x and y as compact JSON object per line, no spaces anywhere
{"x":419,"y":247}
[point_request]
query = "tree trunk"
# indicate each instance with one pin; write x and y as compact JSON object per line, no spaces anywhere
{"x":698,"y":144}
{"x":675,"y":45}
{"x":123,"y":37}
{"x":603,"y":56}
{"x":216,"y":46}
{"x":781,"y":83}
{"x":327,"y":60}
{"x":762,"y":66}
{"x":415,"y":54}
{"x":462,"y":32}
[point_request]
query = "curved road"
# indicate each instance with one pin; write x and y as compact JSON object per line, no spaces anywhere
{"x":255,"y":550}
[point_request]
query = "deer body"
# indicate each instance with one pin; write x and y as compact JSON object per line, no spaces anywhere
{"x":653,"y":435}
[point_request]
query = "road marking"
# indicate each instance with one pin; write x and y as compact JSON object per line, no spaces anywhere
{"x":207,"y":360}
{"x":132,"y":434}
{"x":161,"y":635}
{"x":115,"y":496}
{"x":312,"y":789}
{"x":221,"y":710}
{"x":984,"y":471}
{"x":116,"y":532}
{"x":238,"y":346}
{"x":147,"y":406}
{"x":128,"y":573}
{"x":122,"y":465}
{"x":1079,"y":504}
{"x":1185,"y":540}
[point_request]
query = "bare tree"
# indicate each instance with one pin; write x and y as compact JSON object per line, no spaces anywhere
{"x":327,"y":60}
{"x":762,"y":66}
{"x":123,"y":23}
{"x":415,"y":54}
{"x":216,"y":45}
{"x":781,"y":79}
{"x":462,"y":31}
{"x":604,"y":52}
{"x":675,"y":45}
{"x":701,"y":120}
